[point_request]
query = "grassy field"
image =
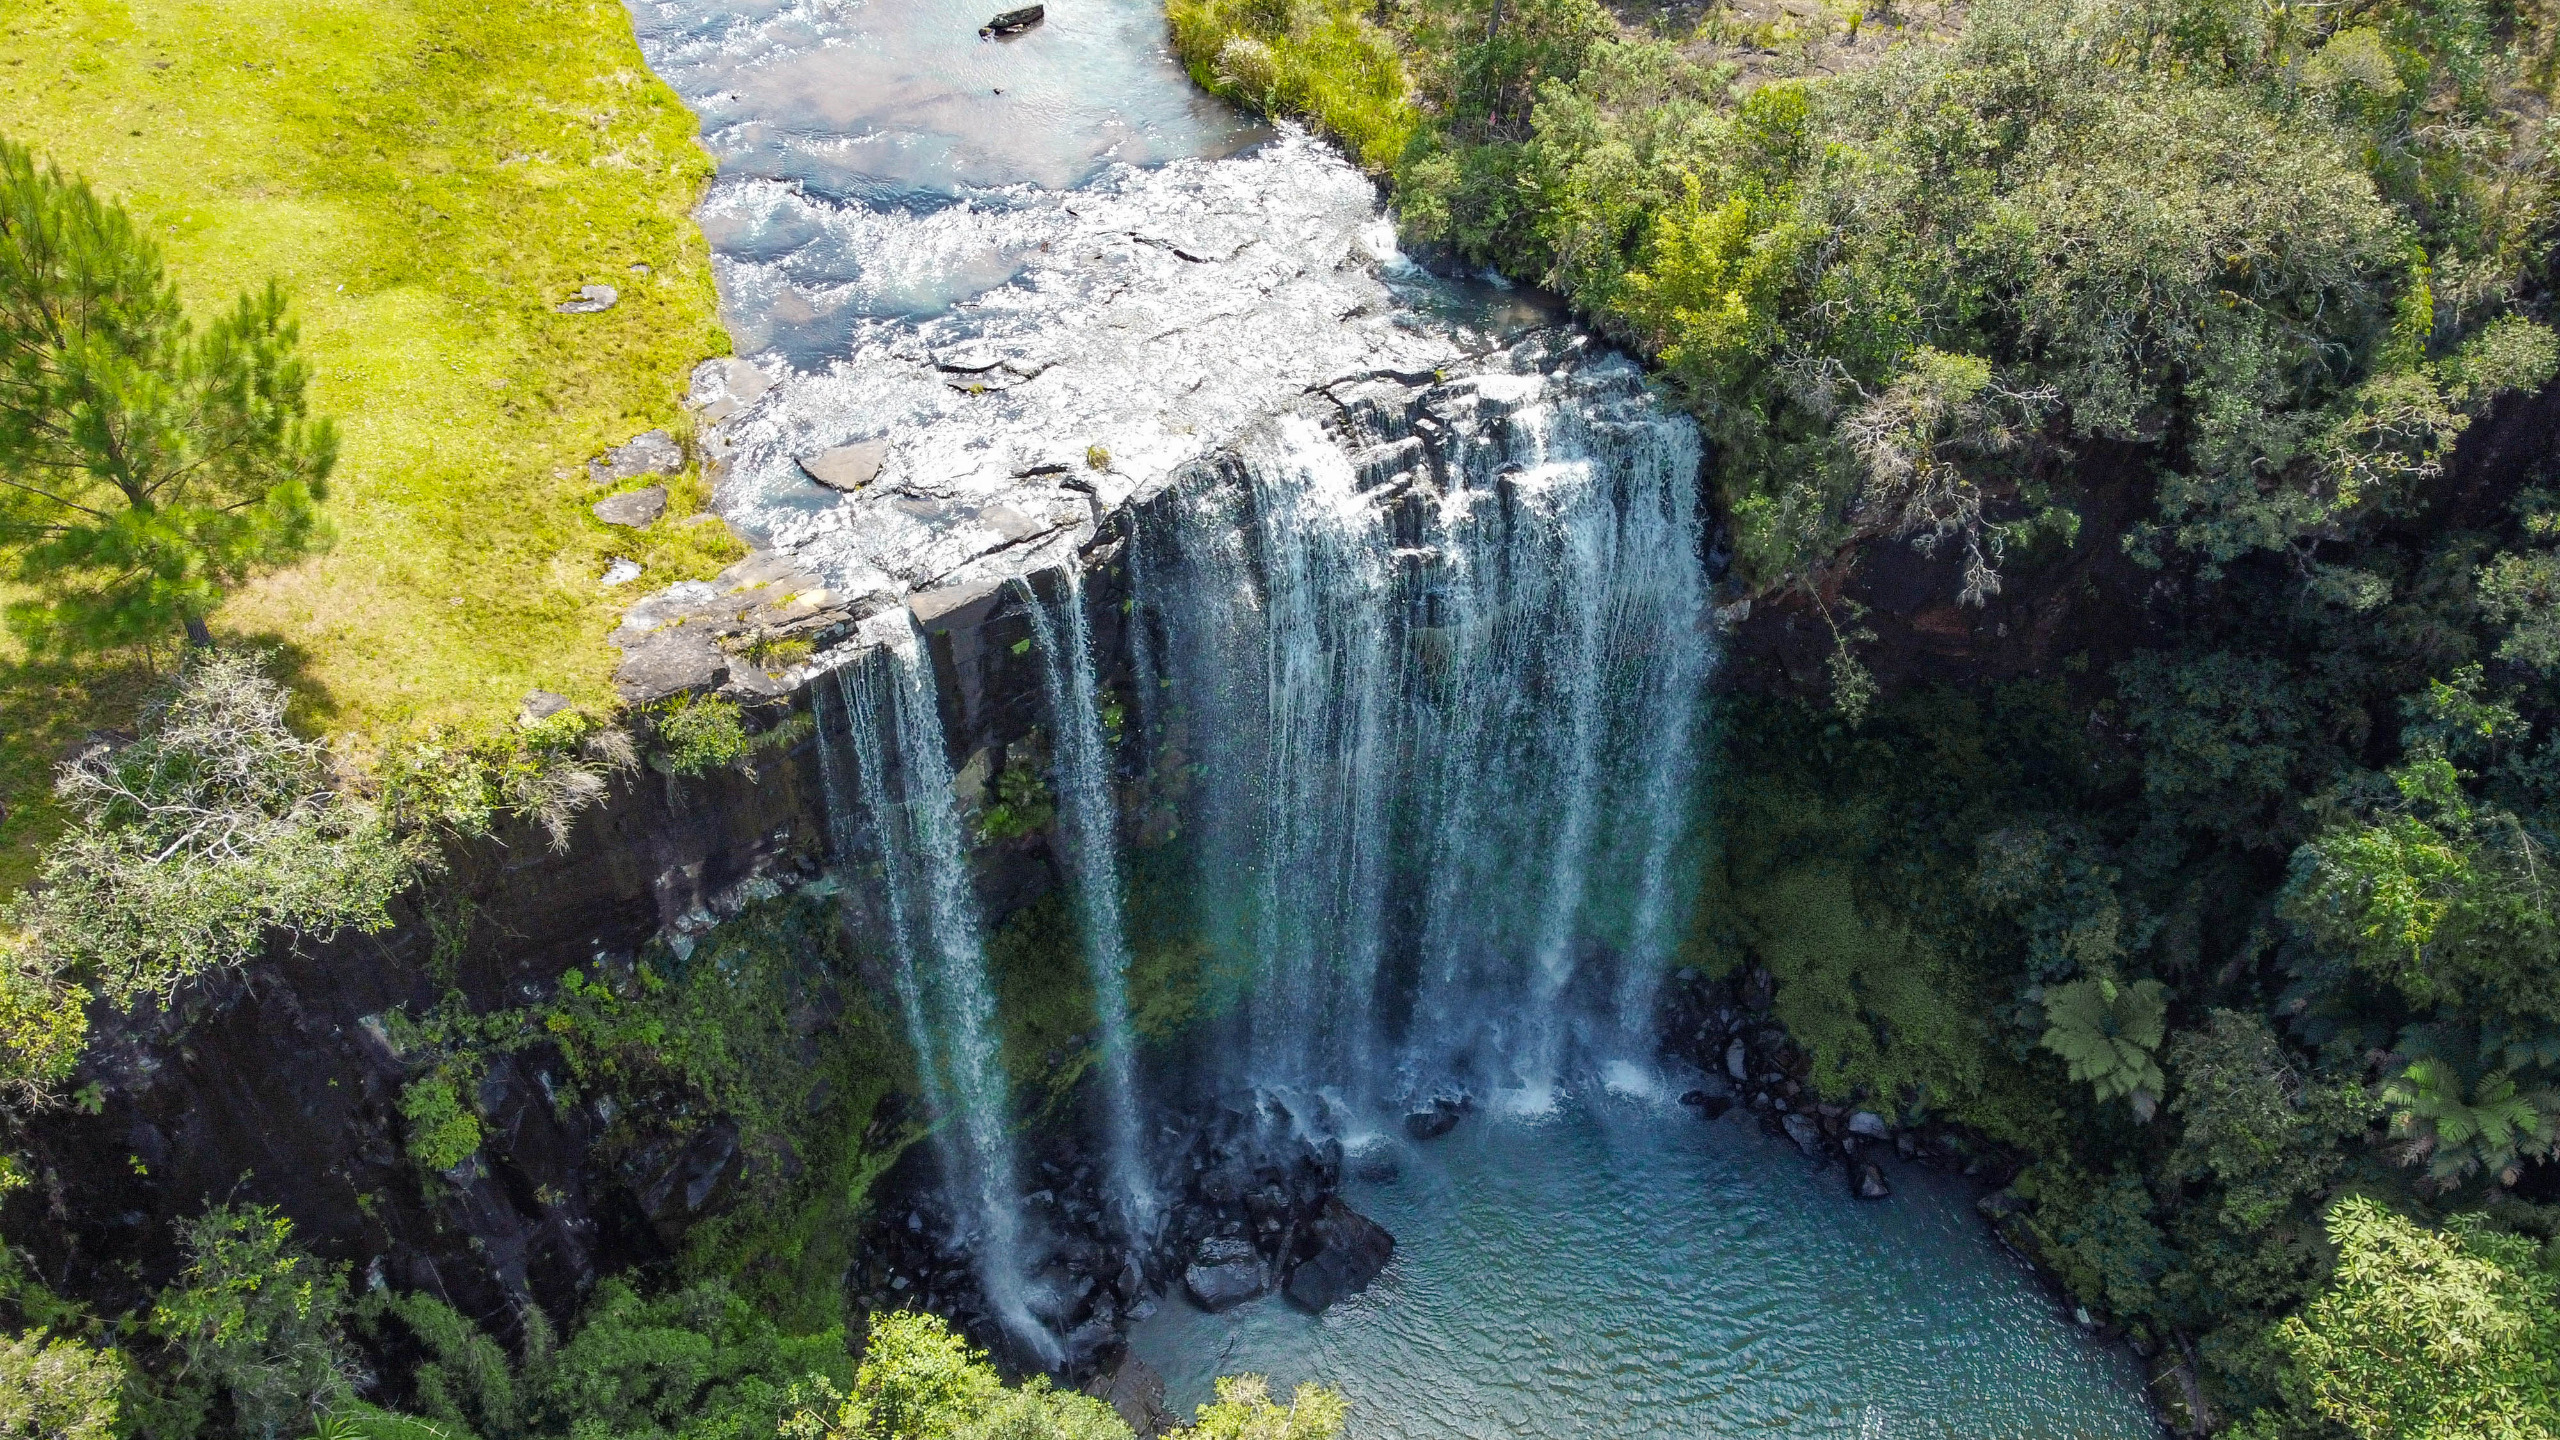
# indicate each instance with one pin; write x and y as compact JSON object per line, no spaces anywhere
{"x":427,"y":178}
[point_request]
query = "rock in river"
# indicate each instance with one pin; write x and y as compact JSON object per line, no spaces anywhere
{"x":1433,"y":1121}
{"x":846,"y":467}
{"x":1871,"y":1182}
{"x":1349,"y":1251}
{"x":1225,"y":1272}
{"x":1014,"y":22}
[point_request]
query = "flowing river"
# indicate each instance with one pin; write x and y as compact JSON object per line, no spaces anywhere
{"x":1418,"y":601}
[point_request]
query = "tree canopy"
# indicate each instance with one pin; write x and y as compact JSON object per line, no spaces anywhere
{"x":144,"y":466}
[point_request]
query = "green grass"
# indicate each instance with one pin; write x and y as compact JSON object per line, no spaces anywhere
{"x":427,"y":178}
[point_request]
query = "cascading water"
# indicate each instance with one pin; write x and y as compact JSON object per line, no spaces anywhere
{"x":937,"y":948}
{"x":1092,"y":854}
{"x":1438,"y":653}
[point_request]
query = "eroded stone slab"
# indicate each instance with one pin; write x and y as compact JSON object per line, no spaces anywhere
{"x":636,"y":508}
{"x":847,"y":468}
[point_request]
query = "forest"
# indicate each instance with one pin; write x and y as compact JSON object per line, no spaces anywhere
{"x":2230,"y":323}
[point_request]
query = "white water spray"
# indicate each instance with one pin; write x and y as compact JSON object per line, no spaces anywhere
{"x":1092,"y":854}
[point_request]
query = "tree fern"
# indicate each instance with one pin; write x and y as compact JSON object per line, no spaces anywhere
{"x":2108,"y":1034}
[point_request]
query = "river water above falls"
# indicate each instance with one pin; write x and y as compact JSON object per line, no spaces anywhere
{"x":1408,"y":648}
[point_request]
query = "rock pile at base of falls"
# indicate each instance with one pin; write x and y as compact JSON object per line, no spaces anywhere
{"x":1251,"y":1207}
{"x":1746,"y":1061}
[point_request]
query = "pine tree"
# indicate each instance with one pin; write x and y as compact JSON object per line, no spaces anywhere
{"x":144,"y":468}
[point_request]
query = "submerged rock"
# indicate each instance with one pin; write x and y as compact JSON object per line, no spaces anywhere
{"x":1225,"y":1272}
{"x":1871,"y":1182}
{"x":1349,"y":1251}
{"x":1711,"y":1107}
{"x":1136,"y":1391}
{"x":722,"y":388}
{"x":1801,"y":1129}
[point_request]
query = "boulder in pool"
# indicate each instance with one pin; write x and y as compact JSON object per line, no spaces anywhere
{"x":1801,"y":1129}
{"x":1224,"y":1272}
{"x":1871,"y":1182}
{"x":1343,"y":1250}
{"x":1432,"y":1121}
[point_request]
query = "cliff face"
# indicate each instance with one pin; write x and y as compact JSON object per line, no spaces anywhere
{"x":280,"y":1083}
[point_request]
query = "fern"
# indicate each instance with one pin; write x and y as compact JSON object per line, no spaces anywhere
{"x":2107,"y":1033}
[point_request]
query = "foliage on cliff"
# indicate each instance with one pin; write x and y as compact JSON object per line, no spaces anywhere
{"x":190,"y":842}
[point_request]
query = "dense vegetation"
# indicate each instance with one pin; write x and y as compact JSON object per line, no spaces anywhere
{"x":2232,"y":920}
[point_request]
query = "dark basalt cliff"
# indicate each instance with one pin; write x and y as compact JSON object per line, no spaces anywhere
{"x":280,"y":1083}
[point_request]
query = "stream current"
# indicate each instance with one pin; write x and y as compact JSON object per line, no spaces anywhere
{"x":1420,"y":598}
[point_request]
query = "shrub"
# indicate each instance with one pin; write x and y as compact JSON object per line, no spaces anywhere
{"x":255,"y":1317}
{"x":191,"y":843}
{"x":2428,"y":1334}
{"x":57,"y":1389}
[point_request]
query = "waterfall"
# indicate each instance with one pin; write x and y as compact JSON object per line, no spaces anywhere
{"x":1438,"y":655}
{"x":1092,"y":852}
{"x":937,"y":951}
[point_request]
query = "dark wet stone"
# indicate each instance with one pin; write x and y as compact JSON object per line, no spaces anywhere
{"x":1808,"y":1135}
{"x":1377,"y":1169}
{"x":1349,"y":1251}
{"x":1014,"y":22}
{"x":1225,"y":1272}
{"x":1871,"y":1183}
{"x":1431,"y":1124}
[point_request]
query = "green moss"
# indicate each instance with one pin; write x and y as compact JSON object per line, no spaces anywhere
{"x":427,"y":178}
{"x":1023,"y":804}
